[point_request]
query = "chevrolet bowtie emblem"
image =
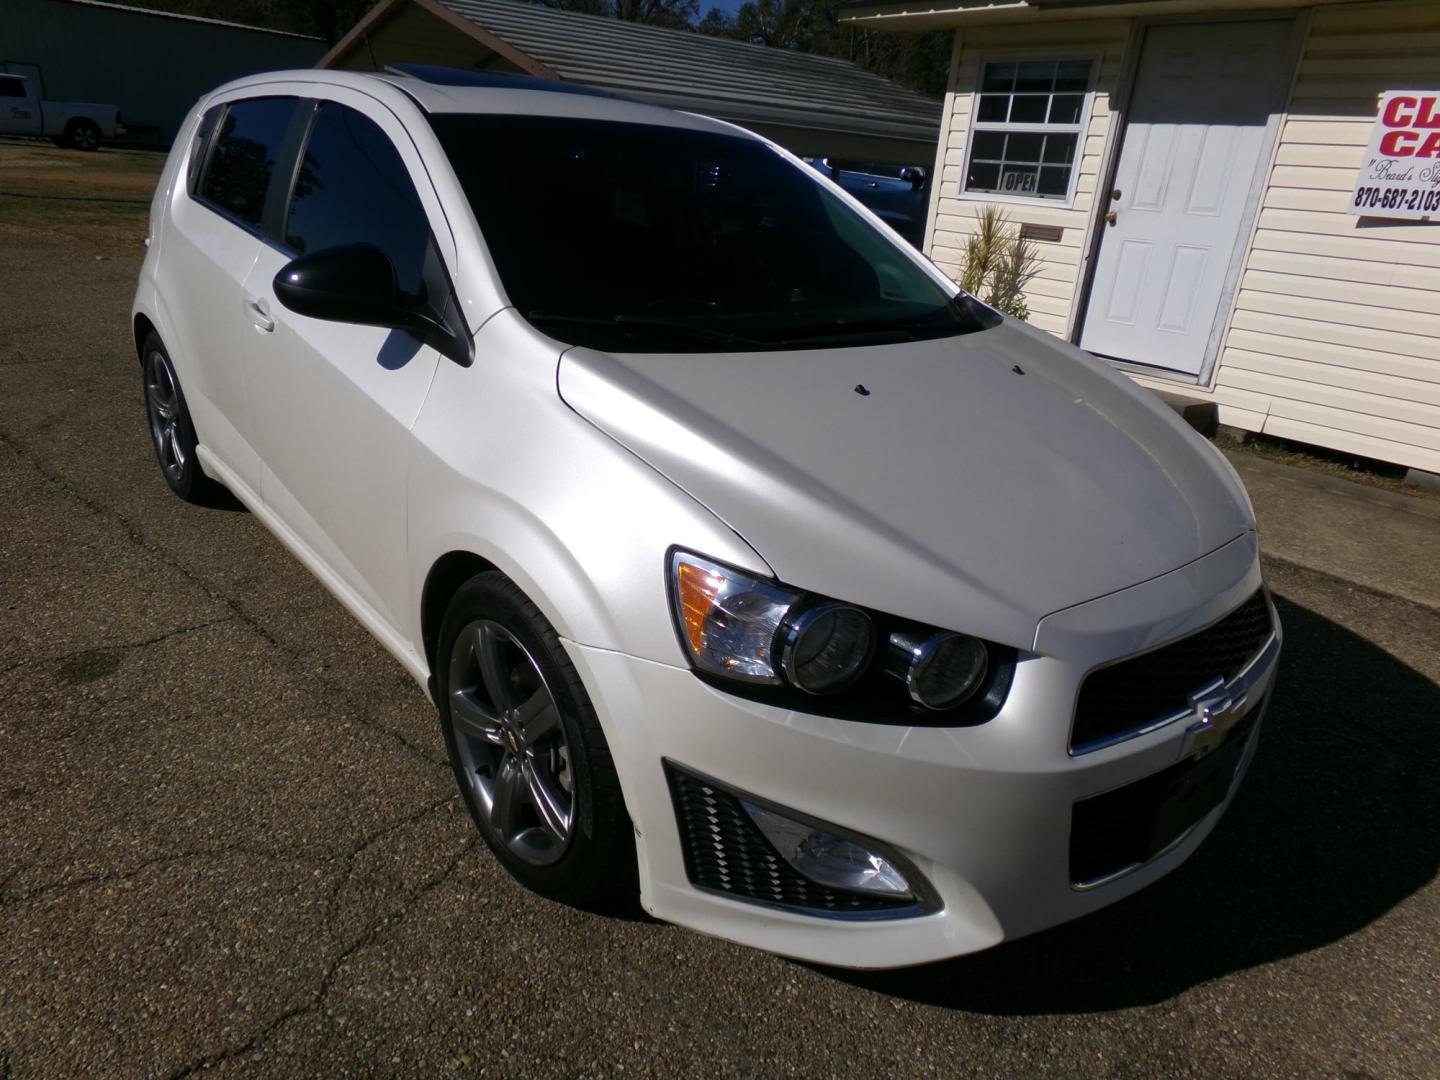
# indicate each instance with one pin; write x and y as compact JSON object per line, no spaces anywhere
{"x":1215,"y":711}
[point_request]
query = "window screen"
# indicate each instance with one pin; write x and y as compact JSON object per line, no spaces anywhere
{"x":238,"y":175}
{"x":1025,"y":141}
{"x":353,"y":188}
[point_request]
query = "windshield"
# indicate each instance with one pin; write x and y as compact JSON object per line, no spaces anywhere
{"x":638,"y":238}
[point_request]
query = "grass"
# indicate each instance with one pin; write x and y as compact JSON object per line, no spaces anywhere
{"x":1351,"y":467}
{"x":100,"y":199}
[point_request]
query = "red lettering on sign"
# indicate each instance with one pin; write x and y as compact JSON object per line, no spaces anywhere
{"x":1431,"y":147}
{"x":1429,"y":114}
{"x":1399,"y":143}
{"x":1394,"y":118}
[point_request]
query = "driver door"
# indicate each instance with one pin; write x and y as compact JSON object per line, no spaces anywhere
{"x":334,"y":403}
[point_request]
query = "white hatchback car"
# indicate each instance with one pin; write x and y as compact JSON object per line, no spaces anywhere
{"x":740,"y":552}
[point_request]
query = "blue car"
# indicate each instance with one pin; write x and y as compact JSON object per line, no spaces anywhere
{"x":899,"y":196}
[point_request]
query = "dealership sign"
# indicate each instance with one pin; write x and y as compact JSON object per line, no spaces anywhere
{"x":1400,"y":174}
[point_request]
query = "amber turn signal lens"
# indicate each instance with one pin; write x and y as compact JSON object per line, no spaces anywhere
{"x":698,"y":587}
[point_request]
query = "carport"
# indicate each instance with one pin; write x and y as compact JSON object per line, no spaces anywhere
{"x":812,"y":105}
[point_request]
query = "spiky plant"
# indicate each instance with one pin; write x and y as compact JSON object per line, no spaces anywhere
{"x":998,"y":263}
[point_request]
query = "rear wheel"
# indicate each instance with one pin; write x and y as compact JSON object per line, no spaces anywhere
{"x":82,"y":135}
{"x":171,"y":432}
{"x":526,"y":746}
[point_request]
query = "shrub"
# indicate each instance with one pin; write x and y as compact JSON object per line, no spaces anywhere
{"x":998,"y":264}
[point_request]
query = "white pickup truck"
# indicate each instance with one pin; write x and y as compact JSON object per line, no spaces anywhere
{"x":70,"y":123}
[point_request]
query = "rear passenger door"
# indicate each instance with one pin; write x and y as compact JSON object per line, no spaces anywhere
{"x":334,"y":402}
{"x":215,"y":232}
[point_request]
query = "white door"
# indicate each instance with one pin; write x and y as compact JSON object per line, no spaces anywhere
{"x":19,"y":106}
{"x":333,"y":403}
{"x":1192,"y":145}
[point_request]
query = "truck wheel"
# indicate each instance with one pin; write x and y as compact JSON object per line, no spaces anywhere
{"x":82,"y":135}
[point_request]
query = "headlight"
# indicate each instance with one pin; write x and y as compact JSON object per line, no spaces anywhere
{"x":729,"y":620}
{"x":778,"y":640}
{"x":940,"y":670}
{"x":744,"y":628}
{"x":826,"y":647}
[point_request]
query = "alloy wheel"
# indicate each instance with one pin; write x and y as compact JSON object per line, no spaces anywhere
{"x":162,"y":401}
{"x":511,"y":743}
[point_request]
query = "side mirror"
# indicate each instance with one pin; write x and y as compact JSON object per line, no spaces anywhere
{"x":355,"y":283}
{"x":915,"y":175}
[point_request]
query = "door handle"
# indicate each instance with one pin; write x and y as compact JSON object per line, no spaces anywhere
{"x":1110,"y":218}
{"x":259,"y":315}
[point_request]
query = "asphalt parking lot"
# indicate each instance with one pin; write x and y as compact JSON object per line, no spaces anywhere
{"x":230,"y":838}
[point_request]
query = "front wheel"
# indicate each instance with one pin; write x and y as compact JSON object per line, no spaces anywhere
{"x":526,"y":746}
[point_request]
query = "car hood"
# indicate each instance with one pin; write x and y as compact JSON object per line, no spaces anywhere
{"x":977,"y":483}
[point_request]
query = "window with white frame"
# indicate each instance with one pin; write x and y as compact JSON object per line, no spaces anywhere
{"x":1027,"y":131}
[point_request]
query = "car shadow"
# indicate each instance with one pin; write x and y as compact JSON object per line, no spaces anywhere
{"x":218,"y":497}
{"x":1335,"y":825}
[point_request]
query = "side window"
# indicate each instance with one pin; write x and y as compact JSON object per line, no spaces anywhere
{"x":12,"y":87}
{"x":353,"y":188}
{"x":246,"y":146}
{"x":201,"y":144}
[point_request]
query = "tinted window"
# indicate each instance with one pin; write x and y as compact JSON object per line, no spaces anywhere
{"x":353,"y":188}
{"x":12,"y":88}
{"x":238,"y":174}
{"x":639,"y":238}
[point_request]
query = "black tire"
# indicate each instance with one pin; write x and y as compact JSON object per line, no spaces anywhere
{"x":596,"y":859}
{"x":172,"y":433}
{"x":82,"y":135}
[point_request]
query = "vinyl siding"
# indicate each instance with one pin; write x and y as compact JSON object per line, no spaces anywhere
{"x":1335,"y":336}
{"x":1051,"y":296}
{"x":1334,"y":333}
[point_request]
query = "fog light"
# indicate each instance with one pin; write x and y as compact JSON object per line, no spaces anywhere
{"x":827,"y":859}
{"x":940,"y":671}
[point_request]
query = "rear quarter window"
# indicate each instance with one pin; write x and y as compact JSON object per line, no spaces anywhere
{"x":237,"y":175}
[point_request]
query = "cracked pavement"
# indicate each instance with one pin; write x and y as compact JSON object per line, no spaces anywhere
{"x":230,"y":840}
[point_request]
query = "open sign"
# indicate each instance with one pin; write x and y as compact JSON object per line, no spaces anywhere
{"x":1400,"y":175}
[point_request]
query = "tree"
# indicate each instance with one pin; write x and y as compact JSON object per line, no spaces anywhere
{"x":675,"y":14}
{"x":920,"y":61}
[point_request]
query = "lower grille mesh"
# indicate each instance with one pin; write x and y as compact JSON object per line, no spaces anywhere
{"x":1129,"y":826}
{"x":726,"y":852}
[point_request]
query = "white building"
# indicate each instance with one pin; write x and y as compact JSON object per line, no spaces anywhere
{"x":1190,"y":173}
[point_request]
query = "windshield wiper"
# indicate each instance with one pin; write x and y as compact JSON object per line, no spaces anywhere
{"x":840,"y":331}
{"x":632,"y":322}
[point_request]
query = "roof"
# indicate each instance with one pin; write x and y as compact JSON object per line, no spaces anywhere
{"x":506,"y":95}
{"x":715,"y":76}
{"x":514,"y":96}
{"x":946,"y":14}
{"x":159,"y":14}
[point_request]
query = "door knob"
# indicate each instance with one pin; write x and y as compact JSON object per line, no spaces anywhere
{"x":1110,"y":218}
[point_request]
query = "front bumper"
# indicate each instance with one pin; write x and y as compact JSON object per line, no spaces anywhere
{"x":983,"y":813}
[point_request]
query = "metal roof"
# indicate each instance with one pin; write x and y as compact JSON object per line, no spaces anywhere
{"x":159,"y":13}
{"x":734,"y":80}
